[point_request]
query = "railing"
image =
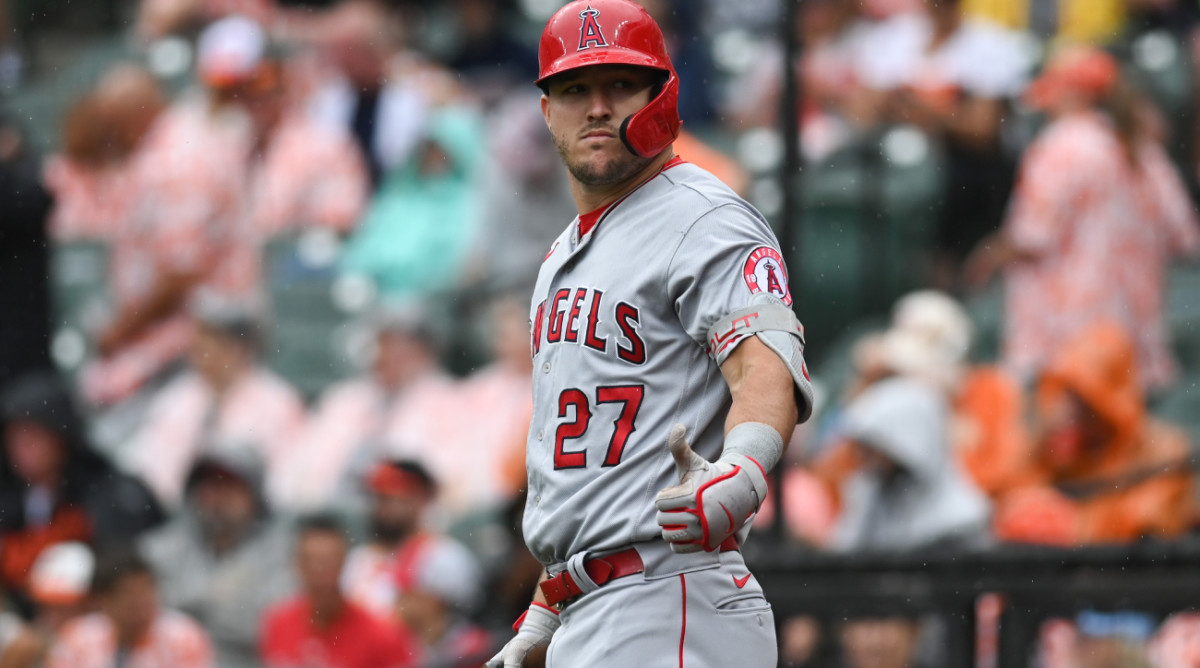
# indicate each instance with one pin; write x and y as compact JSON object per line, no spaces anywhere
{"x":1035,"y":583}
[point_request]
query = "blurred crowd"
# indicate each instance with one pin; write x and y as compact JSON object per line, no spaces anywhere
{"x":170,"y":496}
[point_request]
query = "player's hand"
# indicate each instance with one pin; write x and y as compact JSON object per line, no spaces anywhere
{"x":527,"y":649}
{"x":712,"y":501}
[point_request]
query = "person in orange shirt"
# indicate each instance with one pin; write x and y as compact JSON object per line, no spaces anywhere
{"x":130,"y":630}
{"x":1104,"y":471}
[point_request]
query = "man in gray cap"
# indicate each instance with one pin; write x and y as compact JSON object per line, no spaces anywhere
{"x":224,"y":559}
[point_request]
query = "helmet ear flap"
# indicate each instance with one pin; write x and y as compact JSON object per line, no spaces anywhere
{"x":653,"y":127}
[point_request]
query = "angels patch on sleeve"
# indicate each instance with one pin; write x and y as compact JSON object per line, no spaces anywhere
{"x":764,"y":272}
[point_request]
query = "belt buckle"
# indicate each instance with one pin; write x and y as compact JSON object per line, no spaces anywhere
{"x":557,"y":587}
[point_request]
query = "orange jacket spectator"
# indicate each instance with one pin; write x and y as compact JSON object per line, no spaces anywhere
{"x":989,"y":436}
{"x":1104,"y":471}
{"x":695,"y":151}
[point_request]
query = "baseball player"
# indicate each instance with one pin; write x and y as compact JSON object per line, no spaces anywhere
{"x":668,"y":375}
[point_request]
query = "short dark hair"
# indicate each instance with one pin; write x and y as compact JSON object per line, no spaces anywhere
{"x":321,"y":523}
{"x":115,"y":566}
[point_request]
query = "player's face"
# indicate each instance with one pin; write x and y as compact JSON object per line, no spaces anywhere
{"x":584,"y":109}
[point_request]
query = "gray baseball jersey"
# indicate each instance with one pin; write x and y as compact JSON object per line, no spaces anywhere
{"x":619,"y":320}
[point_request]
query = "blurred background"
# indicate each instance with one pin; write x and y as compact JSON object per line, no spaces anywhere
{"x":265,"y":270}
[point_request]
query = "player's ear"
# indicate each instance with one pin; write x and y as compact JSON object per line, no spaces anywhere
{"x":546,"y":109}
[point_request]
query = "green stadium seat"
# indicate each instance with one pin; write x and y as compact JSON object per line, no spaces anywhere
{"x":1183,"y":314}
{"x":865,"y":230}
{"x":1181,"y":406}
{"x":307,"y":341}
{"x":81,"y":300}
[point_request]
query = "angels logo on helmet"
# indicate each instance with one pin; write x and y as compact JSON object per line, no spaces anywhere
{"x":589,"y":31}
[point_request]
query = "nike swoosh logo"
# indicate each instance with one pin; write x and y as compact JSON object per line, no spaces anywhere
{"x":741,"y":582}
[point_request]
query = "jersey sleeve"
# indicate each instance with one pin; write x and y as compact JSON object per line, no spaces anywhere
{"x":728,"y":255}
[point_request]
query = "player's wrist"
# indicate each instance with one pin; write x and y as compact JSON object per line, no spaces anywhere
{"x":538,"y":614}
{"x":756,"y":448}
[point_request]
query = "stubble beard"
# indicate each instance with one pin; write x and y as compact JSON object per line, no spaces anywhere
{"x":611,"y":172}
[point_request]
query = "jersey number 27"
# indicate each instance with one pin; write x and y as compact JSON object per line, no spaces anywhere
{"x":630,"y":398}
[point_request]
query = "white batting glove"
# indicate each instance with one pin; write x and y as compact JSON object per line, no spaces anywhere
{"x":712,"y":501}
{"x":534,"y":629}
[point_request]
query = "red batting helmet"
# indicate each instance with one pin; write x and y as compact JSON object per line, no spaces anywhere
{"x":615,"y":32}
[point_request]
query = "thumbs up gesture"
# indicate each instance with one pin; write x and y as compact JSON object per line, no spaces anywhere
{"x":712,"y":501}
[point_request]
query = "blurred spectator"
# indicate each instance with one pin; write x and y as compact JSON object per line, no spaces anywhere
{"x":19,"y":645}
{"x":421,"y":580}
{"x":130,"y":629}
{"x":225,"y":400}
{"x":94,"y":179}
{"x":909,"y":492}
{"x":224,"y":559}
{"x":524,"y":199}
{"x":689,"y":147}
{"x":991,"y":438}
{"x":1104,"y":471}
{"x":426,"y":582}
{"x":439,"y":585}
{"x":401,"y":492}
{"x":1063,"y":22}
{"x":988,"y":430}
{"x":500,"y":395}
{"x":172,"y":211}
{"x":834,"y":40}
{"x":1096,"y":215}
{"x":1096,"y":640}
{"x":887,"y":642}
{"x":928,"y":340}
{"x":405,"y":397}
{"x":952,"y":77}
{"x":488,"y":54}
{"x":296,"y":173}
{"x":382,"y":110}
{"x":681,"y":21}
{"x":24,"y":291}
{"x":321,"y":626}
{"x":53,"y":487}
{"x":1176,"y":643}
{"x":60,"y":582}
{"x":159,"y":18}
{"x":418,"y":229}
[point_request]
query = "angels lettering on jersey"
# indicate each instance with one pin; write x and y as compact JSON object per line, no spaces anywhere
{"x":573,"y":316}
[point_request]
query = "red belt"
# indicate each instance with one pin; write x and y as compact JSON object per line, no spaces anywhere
{"x":561,"y":589}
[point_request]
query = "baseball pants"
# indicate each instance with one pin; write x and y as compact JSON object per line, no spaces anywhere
{"x":709,"y":618}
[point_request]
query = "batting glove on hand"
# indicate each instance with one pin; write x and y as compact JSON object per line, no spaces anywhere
{"x":712,"y":501}
{"x":534,"y":629}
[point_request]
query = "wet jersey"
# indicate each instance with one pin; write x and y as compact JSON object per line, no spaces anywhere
{"x":619,"y":321}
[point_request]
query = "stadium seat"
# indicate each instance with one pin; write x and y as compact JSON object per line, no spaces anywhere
{"x":80,"y":298}
{"x":865,"y":230}
{"x":307,"y":342}
{"x":1183,"y":314}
